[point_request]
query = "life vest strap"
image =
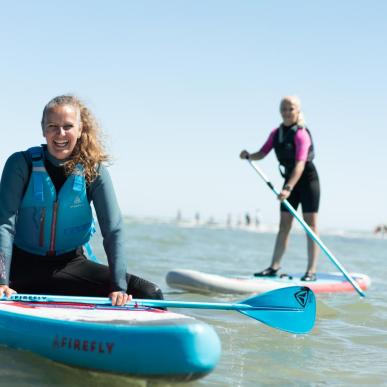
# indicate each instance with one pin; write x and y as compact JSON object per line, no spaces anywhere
{"x":38,"y":168}
{"x":87,"y":246}
{"x":78,"y":178}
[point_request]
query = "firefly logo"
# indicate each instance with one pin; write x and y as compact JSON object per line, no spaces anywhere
{"x":79,"y":344}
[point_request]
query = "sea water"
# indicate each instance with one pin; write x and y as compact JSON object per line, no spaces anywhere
{"x":348,"y":345}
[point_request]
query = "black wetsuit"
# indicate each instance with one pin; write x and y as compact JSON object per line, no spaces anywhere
{"x":70,"y":274}
{"x":307,"y":190}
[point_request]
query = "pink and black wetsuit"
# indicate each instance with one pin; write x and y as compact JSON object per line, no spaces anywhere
{"x":291,"y":144}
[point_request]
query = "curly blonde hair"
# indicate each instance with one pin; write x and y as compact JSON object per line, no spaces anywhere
{"x":89,"y":150}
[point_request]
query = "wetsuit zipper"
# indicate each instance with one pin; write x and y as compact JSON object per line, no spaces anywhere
{"x":51,"y":250}
{"x":41,"y":231}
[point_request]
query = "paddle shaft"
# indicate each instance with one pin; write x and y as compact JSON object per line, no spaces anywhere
{"x":146,"y":303}
{"x":310,"y":232}
{"x":291,"y":309}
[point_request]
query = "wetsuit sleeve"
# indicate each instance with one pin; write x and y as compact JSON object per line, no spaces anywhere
{"x":268,"y":145}
{"x":111,"y":224}
{"x":14,"y":179}
{"x":302,"y":143}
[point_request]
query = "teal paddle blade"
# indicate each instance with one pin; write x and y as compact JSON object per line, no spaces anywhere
{"x":291,"y":309}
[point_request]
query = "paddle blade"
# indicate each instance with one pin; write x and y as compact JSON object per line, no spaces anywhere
{"x":295,"y":313}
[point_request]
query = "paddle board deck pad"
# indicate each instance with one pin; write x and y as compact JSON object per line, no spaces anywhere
{"x":136,"y":341}
{"x":197,"y":281}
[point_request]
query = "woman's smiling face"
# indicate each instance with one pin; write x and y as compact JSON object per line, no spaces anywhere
{"x":62,"y":128}
{"x":289,"y":112}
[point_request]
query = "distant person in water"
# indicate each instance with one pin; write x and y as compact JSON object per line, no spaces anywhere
{"x":293,"y":146}
{"x":247,"y":219}
{"x":46,"y":216}
{"x":381,"y":229}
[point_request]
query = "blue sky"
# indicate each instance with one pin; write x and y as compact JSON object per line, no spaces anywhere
{"x":180,"y":87}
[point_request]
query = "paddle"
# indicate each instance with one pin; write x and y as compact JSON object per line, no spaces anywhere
{"x":310,"y":232}
{"x":291,"y":309}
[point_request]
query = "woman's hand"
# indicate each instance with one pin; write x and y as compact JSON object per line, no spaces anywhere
{"x":6,"y":290}
{"x":120,"y":298}
{"x":244,"y":155}
{"x":284,"y":194}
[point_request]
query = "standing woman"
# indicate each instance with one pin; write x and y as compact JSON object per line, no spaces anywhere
{"x":46,"y":216}
{"x":293,"y":146}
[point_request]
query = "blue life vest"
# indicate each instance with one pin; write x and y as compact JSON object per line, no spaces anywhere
{"x":49,"y":223}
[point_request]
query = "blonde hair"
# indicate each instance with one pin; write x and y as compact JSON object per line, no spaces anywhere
{"x":89,"y":150}
{"x":295,"y":101}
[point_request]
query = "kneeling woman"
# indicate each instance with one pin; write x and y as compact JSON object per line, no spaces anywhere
{"x":46,"y":217}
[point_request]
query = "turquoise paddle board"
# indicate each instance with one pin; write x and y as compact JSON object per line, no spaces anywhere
{"x":197,"y":281}
{"x":136,"y":341}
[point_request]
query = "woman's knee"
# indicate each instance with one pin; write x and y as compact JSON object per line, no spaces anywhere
{"x":152,"y":291}
{"x":141,"y":288}
{"x":158,"y":294}
{"x":285,"y":224}
{"x":311,"y":220}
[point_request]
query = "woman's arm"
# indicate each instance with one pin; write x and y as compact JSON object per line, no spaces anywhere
{"x":296,"y":174}
{"x":294,"y":177}
{"x":13,"y":182}
{"x":252,"y":156}
{"x":266,"y":148}
{"x":111,"y":225}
